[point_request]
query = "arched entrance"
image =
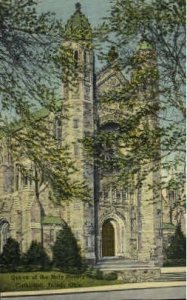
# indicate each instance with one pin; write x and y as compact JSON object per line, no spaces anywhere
{"x":108,"y":239}
{"x":112,"y":239}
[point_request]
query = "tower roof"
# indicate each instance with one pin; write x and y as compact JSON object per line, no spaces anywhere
{"x":78,"y":26}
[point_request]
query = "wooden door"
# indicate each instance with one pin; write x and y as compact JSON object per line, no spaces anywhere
{"x":108,"y":239}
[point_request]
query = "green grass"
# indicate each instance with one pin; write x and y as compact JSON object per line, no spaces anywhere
{"x":47,"y":280}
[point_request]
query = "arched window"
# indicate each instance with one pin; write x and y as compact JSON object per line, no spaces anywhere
{"x":4,"y":233}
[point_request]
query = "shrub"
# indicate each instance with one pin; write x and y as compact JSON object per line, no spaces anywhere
{"x":36,"y":258}
{"x":174,"y":262}
{"x":177,"y":247}
{"x":66,"y":252}
{"x":10,"y":257}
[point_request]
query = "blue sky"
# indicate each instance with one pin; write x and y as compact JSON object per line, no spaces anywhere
{"x":95,"y":10}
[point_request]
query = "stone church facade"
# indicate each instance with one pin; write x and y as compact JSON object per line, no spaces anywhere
{"x":118,"y":222}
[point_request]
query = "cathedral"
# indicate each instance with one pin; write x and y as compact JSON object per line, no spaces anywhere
{"x":118,"y":222}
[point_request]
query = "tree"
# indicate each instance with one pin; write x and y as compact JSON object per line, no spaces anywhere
{"x":11,"y":254}
{"x":38,"y":155}
{"x":128,"y":144}
{"x":177,"y":247}
{"x":29,"y":42}
{"x":66,"y":252}
{"x":36,"y":256}
{"x":150,"y":106}
{"x":31,"y":75}
{"x":31,"y":93}
{"x":50,"y":161}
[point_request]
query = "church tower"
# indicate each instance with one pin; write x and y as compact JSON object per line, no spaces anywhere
{"x":78,"y":87}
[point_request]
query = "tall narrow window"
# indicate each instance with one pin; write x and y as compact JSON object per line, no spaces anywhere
{"x":25,"y":180}
{"x":76,"y":150}
{"x":125,"y":194}
{"x":133,"y":222}
{"x":118,"y":196}
{"x":16,"y":177}
{"x":76,"y":58}
{"x":85,"y":60}
{"x":105,"y":195}
{"x":58,"y":129}
{"x":75,"y":123}
{"x":171,"y":196}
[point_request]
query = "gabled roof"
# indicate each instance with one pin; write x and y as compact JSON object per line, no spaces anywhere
{"x":108,"y":76}
{"x":37,"y":115}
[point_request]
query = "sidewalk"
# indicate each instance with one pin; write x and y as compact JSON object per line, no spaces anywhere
{"x":117,"y":287}
{"x":173,"y":270}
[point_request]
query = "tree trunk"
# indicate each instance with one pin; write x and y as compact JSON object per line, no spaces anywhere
{"x":37,"y":194}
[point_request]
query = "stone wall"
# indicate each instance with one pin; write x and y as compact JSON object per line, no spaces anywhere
{"x":139,"y":275}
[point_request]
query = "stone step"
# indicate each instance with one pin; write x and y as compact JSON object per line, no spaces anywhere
{"x":173,"y":277}
{"x":114,"y":268}
{"x":120,"y":261}
{"x":116,"y":261}
{"x":119,"y":264}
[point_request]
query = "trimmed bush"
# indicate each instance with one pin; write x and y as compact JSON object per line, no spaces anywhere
{"x":36,"y":258}
{"x":66,"y":252}
{"x":10,"y":257}
{"x":177,"y":247}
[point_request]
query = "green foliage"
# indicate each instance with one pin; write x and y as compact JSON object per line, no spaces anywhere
{"x":178,"y":262}
{"x":10,"y":257}
{"x":149,"y":107}
{"x":38,"y":63}
{"x":29,"y":43}
{"x":66,"y":252}
{"x":36,"y":257}
{"x":52,"y":165}
{"x":177,"y":247}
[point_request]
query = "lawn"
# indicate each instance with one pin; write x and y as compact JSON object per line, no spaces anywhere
{"x":47,"y":280}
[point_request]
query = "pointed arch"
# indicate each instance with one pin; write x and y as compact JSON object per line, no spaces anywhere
{"x":4,"y":232}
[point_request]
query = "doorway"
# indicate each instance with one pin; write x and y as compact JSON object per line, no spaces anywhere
{"x":108,"y":239}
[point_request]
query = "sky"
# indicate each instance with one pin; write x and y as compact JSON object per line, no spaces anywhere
{"x":95,"y":10}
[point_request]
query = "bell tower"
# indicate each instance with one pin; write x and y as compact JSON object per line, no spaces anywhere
{"x":78,"y":89}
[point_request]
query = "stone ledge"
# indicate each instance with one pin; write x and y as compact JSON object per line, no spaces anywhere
{"x":135,"y":275}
